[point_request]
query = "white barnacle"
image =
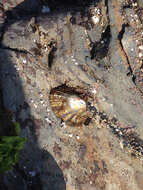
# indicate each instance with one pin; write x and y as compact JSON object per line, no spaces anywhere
{"x":70,"y":135}
{"x":95,"y":19}
{"x":121,"y":145}
{"x":140,"y":55}
{"x":141,"y":47}
{"x":77,"y":137}
{"x":134,"y":4}
{"x":94,"y":91}
{"x":97,"y":10}
{"x":24,"y":61}
{"x":48,"y":120}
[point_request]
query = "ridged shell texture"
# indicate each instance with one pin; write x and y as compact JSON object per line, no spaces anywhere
{"x":69,"y":107}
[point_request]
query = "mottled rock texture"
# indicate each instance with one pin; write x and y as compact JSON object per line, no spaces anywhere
{"x":95,"y":48}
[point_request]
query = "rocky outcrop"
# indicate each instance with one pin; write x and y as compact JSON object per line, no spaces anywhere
{"x":96,"y":50}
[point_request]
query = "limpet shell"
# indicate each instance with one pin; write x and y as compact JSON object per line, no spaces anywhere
{"x":68,"y":105}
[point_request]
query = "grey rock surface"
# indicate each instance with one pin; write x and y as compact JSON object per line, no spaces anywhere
{"x":96,"y":50}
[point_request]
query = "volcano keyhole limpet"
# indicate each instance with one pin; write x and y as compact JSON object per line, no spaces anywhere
{"x":68,"y":105}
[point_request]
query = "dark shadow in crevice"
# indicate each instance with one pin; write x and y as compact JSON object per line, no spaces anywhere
{"x":120,"y":36}
{"x":100,"y":49}
{"x":51,"y":54}
{"x":33,"y":8}
{"x":13,"y":100}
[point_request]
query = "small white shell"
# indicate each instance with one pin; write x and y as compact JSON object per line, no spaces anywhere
{"x":95,"y":19}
